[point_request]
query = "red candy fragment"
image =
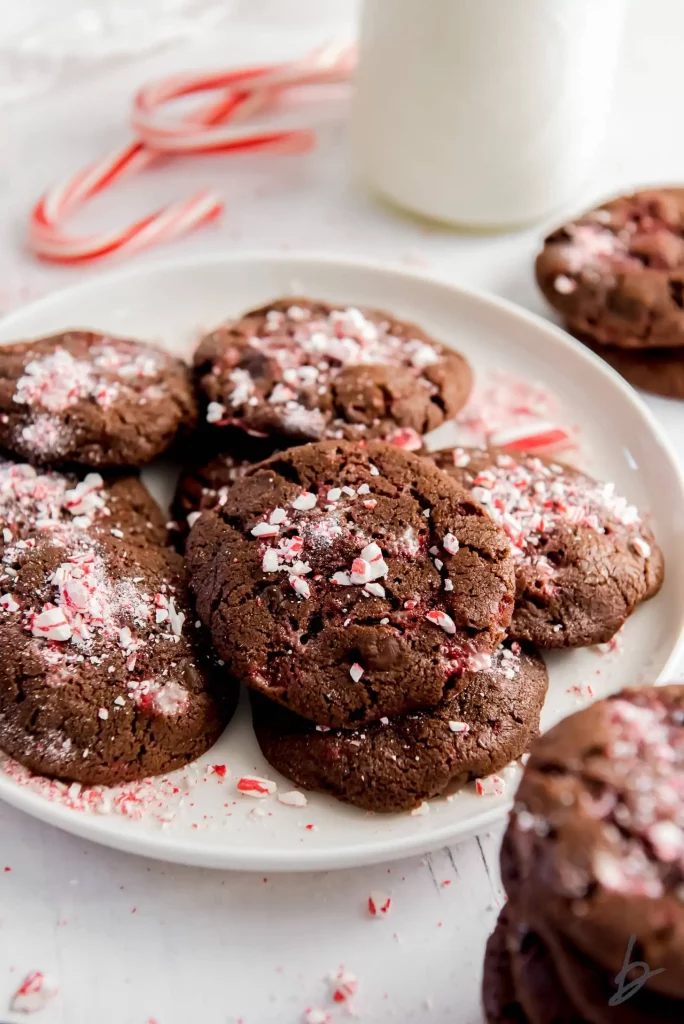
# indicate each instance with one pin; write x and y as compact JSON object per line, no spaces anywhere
{"x":33,"y":994}
{"x":379,"y":904}
{"x":254,"y":786}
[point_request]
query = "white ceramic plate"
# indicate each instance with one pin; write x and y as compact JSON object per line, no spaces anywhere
{"x":172,"y":303}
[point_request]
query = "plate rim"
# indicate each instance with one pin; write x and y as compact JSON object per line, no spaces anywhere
{"x":379,"y":850}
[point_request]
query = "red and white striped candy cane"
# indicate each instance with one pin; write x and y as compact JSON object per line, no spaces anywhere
{"x":245,"y":92}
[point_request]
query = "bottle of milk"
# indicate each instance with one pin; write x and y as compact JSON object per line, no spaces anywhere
{"x":483,"y":113}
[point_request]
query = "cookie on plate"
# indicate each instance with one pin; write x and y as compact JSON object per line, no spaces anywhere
{"x":616,"y":274}
{"x":306,"y":370}
{"x":100,"y":680}
{"x":204,"y":485}
{"x":658,"y":370}
{"x":592,"y":865}
{"x":395,"y":764}
{"x":350,"y":582}
{"x":208,"y":474}
{"x":584,"y":556}
{"x":90,"y":399}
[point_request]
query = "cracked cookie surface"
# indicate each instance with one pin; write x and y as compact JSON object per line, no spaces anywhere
{"x":92,"y":400}
{"x":616,"y":274}
{"x":584,"y":556}
{"x":304,"y":370}
{"x":395,"y":764}
{"x":101,"y":681}
{"x":350,"y":582}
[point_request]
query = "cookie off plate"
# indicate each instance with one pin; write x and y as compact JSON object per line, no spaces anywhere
{"x":531,"y":379}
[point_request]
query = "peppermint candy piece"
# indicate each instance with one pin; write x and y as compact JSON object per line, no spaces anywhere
{"x":293,"y":799}
{"x":300,"y":586}
{"x":360,"y":571}
{"x":34,"y":993}
{"x":215,"y":412}
{"x":492,"y":785}
{"x":379,"y":904}
{"x":254,"y":786}
{"x":450,"y":543}
{"x":441,"y":619}
{"x":305,"y":502}
{"x":265,"y":530}
{"x":51,"y":624}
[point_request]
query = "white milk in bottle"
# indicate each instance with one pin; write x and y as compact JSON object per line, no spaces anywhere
{"x":485,"y":113}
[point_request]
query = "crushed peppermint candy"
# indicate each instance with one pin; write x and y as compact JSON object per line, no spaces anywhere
{"x":310,"y":349}
{"x":379,"y":904}
{"x":529,"y":498}
{"x":492,"y":785}
{"x":8,"y":604}
{"x":56,"y":381}
{"x":507,"y":410}
{"x":450,"y":544}
{"x":441,"y":619}
{"x":646,"y":754}
{"x":406,"y":438}
{"x":215,"y":412}
{"x":293,"y":799}
{"x":459,"y":727}
{"x":356,"y":672}
{"x":344,"y":985}
{"x":33,"y":995}
{"x":314,"y":1015}
{"x":305,"y":501}
{"x":564,"y":285}
{"x":253,"y":785}
{"x":82,"y":611}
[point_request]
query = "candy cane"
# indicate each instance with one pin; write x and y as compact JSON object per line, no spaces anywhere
{"x":246,"y":92}
{"x":529,"y":437}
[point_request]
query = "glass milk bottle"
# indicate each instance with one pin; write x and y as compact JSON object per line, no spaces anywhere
{"x":483,"y":113}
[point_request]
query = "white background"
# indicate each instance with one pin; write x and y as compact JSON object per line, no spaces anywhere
{"x":130,"y":941}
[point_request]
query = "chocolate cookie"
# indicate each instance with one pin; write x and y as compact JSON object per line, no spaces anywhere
{"x":616,"y":274}
{"x":90,"y":399}
{"x":307,"y":370}
{"x":395,"y":764}
{"x":584,"y":557}
{"x":349,"y":583}
{"x":100,"y":681}
{"x":203,"y":484}
{"x":531,"y":980}
{"x":499,"y":997}
{"x":595,"y":849}
{"x":658,"y":370}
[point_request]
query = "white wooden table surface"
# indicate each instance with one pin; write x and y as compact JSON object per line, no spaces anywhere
{"x":131,"y":941}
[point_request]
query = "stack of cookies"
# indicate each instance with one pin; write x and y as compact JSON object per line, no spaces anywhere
{"x":103,"y":677}
{"x":385,"y":607}
{"x":616,"y":276}
{"x":593,"y":865}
